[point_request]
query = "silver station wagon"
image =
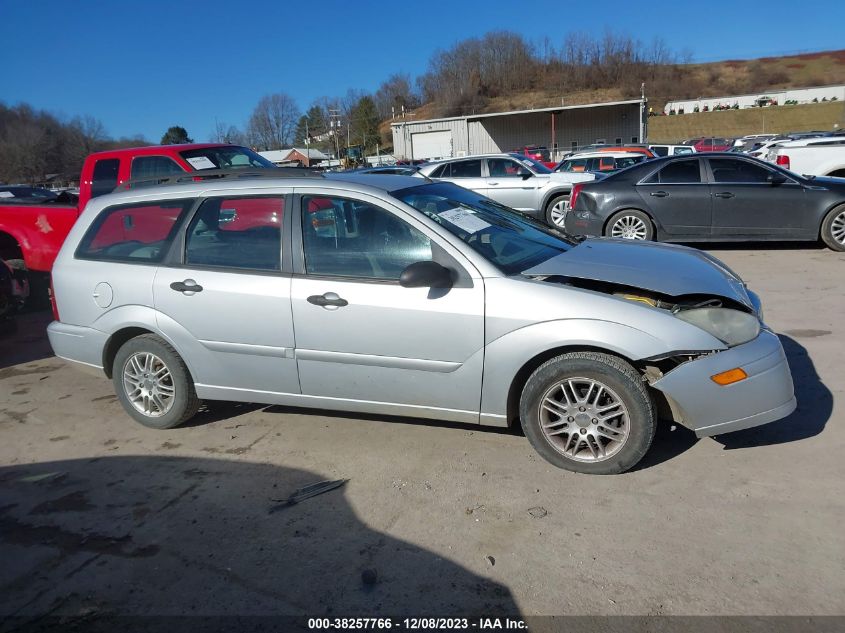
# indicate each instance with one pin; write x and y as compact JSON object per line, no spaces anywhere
{"x":400,"y":296}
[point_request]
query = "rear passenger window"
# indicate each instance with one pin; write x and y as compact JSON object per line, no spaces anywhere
{"x":243,"y":233}
{"x":467,"y":169}
{"x":137,"y":232}
{"x":680,"y":172}
{"x":105,"y":176}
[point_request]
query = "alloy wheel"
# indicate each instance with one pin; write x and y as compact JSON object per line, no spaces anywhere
{"x":629,"y":227}
{"x":837,"y":228}
{"x":558,"y":212}
{"x":584,"y":419}
{"x":148,"y":384}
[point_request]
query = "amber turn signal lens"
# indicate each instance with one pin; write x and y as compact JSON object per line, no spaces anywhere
{"x":729,"y":377}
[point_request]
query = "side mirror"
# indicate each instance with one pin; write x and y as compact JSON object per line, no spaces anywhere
{"x":427,"y":274}
{"x":527,"y":175}
{"x":775,"y":179}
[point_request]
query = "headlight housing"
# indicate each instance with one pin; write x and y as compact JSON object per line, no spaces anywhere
{"x":732,"y":327}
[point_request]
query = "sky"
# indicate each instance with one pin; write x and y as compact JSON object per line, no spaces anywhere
{"x":141,"y":67}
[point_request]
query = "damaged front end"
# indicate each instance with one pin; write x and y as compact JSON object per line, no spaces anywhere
{"x":743,"y":378}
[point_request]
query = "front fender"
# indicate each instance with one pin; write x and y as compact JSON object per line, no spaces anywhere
{"x":505,"y":356}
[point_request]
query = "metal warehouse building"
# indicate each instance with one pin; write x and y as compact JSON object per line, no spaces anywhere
{"x":561,"y":129}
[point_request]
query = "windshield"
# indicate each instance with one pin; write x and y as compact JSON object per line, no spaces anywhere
{"x":536,"y":166}
{"x":508,"y":239}
{"x":224,"y":157}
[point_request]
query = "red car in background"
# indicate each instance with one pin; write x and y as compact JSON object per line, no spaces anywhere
{"x":711,"y":144}
{"x":538,"y":153}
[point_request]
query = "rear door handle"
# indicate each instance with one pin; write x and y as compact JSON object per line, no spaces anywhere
{"x":492,"y":183}
{"x":724,"y":194}
{"x":329,"y":300}
{"x":188,"y":287}
{"x":660,"y":194}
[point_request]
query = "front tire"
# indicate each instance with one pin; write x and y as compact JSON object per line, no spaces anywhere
{"x":589,"y":413}
{"x":153,"y":383}
{"x":556,"y":211}
{"x":833,"y":229}
{"x":630,"y":224}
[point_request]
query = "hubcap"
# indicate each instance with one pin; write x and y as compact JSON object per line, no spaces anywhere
{"x":558,"y":213}
{"x":148,"y":384}
{"x":584,"y":419}
{"x":629,"y":227}
{"x":837,"y":228}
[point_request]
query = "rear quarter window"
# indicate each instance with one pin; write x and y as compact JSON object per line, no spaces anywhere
{"x":133,"y":232}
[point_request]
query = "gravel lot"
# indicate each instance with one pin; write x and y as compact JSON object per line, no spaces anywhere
{"x":102,"y":516}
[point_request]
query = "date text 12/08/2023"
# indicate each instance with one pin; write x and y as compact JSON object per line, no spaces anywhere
{"x":418,"y":624}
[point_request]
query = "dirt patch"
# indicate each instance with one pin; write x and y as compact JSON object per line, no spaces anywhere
{"x":27,"y":535}
{"x":73,"y":502}
{"x":807,"y":333}
{"x":60,"y":438}
{"x":12,"y":372}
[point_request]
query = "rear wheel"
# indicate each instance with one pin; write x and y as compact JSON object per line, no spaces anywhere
{"x":588,"y":412}
{"x":833,"y":229}
{"x":631,"y":225}
{"x":556,"y":211}
{"x":153,"y":383}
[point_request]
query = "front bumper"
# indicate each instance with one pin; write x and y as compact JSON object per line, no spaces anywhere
{"x":766,"y":395}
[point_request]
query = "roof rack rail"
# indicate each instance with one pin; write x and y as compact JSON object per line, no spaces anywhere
{"x":214,"y":174}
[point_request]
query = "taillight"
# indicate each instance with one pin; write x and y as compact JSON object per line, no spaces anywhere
{"x":573,"y":195}
{"x":783,"y":161}
{"x":53,"y":303}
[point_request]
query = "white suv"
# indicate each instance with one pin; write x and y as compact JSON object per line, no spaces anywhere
{"x":516,"y":181}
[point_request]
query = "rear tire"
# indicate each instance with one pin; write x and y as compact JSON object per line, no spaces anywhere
{"x":630,"y":224}
{"x":588,"y":412}
{"x":153,"y":383}
{"x":833,"y":229}
{"x":556,"y":211}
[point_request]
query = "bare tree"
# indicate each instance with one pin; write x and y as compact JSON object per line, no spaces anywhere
{"x":273,"y":121}
{"x":394,"y":93}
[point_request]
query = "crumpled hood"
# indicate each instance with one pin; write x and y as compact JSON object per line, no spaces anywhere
{"x":665,"y":268}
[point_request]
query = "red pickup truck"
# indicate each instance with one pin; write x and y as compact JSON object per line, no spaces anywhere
{"x":32,"y":230}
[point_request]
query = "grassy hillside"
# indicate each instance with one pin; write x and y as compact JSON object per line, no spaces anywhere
{"x":797,"y":118}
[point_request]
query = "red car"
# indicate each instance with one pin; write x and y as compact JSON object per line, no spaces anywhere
{"x":710,"y":144}
{"x":538,"y":153}
{"x":33,"y":229}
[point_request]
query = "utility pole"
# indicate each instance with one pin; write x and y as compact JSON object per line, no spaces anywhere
{"x":334,"y":115}
{"x":307,"y":143}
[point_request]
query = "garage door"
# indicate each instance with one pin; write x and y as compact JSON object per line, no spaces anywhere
{"x":432,"y":144}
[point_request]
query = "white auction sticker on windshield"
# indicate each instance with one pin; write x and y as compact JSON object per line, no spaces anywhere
{"x":201,"y":162}
{"x":464,"y":219}
{"x":6,"y":194}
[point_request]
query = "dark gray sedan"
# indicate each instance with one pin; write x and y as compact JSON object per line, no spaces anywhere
{"x":710,"y":197}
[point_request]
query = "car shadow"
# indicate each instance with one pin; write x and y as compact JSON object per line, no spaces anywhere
{"x":97,"y":540}
{"x":815,"y":406}
{"x":670,"y":440}
{"x":24,"y":338}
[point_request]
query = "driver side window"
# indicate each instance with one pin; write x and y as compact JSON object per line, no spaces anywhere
{"x":352,"y":238}
{"x":505,"y":168}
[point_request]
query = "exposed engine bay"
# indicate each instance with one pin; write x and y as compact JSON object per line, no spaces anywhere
{"x":648,"y":297}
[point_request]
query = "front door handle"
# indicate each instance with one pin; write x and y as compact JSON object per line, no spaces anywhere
{"x":660,"y":194}
{"x":188,"y":287}
{"x":724,"y":194}
{"x":492,"y":183}
{"x":329,"y":300}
